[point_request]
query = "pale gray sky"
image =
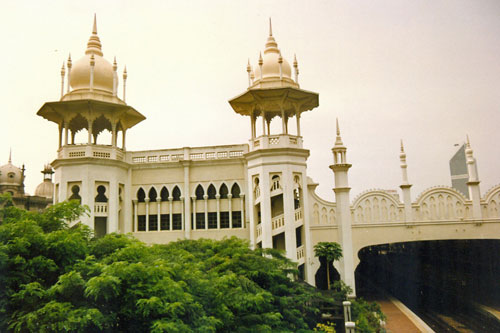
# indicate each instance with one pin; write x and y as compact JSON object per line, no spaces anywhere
{"x":424,"y":71}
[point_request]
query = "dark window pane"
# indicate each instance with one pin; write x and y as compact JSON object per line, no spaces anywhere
{"x":212,"y":220}
{"x":165,"y":222}
{"x":224,"y":220}
{"x":200,"y":220}
{"x":153,"y":222}
{"x":141,"y":223}
{"x":236,"y":219}
{"x":177,"y":221}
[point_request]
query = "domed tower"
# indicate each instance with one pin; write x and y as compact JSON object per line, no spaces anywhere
{"x":92,"y":172}
{"x":12,"y":179}
{"x":46,"y":188}
{"x":277,"y":161}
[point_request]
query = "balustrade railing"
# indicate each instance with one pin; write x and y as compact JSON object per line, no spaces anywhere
{"x":278,"y":221}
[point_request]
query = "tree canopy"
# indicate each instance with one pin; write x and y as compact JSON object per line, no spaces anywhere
{"x":55,"y":278}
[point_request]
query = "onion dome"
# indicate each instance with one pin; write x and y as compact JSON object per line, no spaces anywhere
{"x":11,"y":175}
{"x":276,"y":70}
{"x":103,"y":70}
{"x":46,"y":188}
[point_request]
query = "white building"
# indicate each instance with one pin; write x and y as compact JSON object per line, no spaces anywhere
{"x":257,"y":191}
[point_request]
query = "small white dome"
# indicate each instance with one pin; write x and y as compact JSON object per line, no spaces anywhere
{"x":45,"y":189}
{"x":270,"y":63}
{"x":11,"y":175}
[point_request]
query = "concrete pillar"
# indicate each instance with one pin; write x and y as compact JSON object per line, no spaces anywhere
{"x":194,"y":213}
{"x":158,"y":201}
{"x":217,"y":197}
{"x":310,"y":257}
{"x":242,"y":205}
{"x":289,"y":214}
{"x":147,"y":213}
{"x":187,"y":202}
{"x":405,"y":188}
{"x":205,"y":198}
{"x":136,"y":227}
{"x":170,"y":217}
{"x":265,"y":210}
{"x":113,"y":206}
{"x":229,"y":200}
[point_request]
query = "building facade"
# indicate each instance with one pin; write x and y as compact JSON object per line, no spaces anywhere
{"x":258,"y":191}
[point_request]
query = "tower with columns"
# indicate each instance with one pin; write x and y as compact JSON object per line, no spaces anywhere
{"x":473,"y":183}
{"x":276,"y":162}
{"x":90,"y":171}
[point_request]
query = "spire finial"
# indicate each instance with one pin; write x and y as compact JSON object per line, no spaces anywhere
{"x":10,"y":156}
{"x":94,"y":28}
{"x":402,"y":147}
{"x":270,"y":27}
{"x":468,"y":142}
{"x":94,"y":44}
{"x":338,"y":128}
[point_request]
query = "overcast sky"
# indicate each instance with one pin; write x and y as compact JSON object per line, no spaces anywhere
{"x":427,"y":72}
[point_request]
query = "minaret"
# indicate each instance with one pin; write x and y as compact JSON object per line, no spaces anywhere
{"x":278,"y":206}
{"x":340,"y":169}
{"x":405,"y":185}
{"x":473,"y":183}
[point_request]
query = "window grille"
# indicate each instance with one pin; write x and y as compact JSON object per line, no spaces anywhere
{"x":236,"y":219}
{"x":153,"y":222}
{"x":210,"y":155}
{"x":196,"y":156}
{"x":165,"y":222}
{"x":164,"y":158}
{"x":141,"y":223}
{"x":200,"y":220}
{"x":152,"y":158}
{"x":212,"y":220}
{"x":177,"y":221}
{"x":222,"y":154}
{"x":224,"y":220}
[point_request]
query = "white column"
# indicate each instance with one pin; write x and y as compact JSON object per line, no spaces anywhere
{"x":265,"y":210}
{"x":147,"y":213}
{"x":65,"y":134}
{"x":242,"y":205}
{"x":113,"y":206}
{"x":194,"y":212}
{"x":251,"y":211}
{"x":187,"y":202}
{"x":289,"y":214}
{"x":170,"y":213}
{"x":136,"y":228}
{"x":310,"y":257}
{"x":229,"y":199}
{"x":123,"y":138}
{"x":113,"y":134}
{"x":217,"y":197}
{"x":90,"y":131}
{"x":60,"y":134}
{"x":297,"y":116}
{"x":205,"y":198}
{"x":283,"y":126}
{"x":263,"y":115}
{"x":158,"y":200}
{"x":183,"y":212}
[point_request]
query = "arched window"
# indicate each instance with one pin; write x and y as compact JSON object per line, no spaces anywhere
{"x":223,"y":191}
{"x":75,"y":193}
{"x":211,"y":191}
{"x":141,"y":195}
{"x":235,"y":191}
{"x":152,"y":194}
{"x":176,"y":193}
{"x":164,"y":194}
{"x":199,"y":192}
{"x":101,"y":196}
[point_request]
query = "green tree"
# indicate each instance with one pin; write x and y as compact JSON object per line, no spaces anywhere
{"x":331,"y":251}
{"x":55,"y":278}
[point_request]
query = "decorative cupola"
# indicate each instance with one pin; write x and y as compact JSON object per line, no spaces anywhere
{"x":46,"y":188}
{"x":12,"y":178}
{"x":272,"y":92}
{"x":91,"y":101}
{"x":339,"y":150}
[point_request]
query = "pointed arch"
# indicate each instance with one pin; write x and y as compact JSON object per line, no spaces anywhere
{"x":141,"y":195}
{"x":176,"y":193}
{"x":152,"y":195}
{"x":211,"y":191}
{"x":235,"y":190}
{"x":223,"y":191}
{"x":199,"y":192}
{"x":164,"y":194}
